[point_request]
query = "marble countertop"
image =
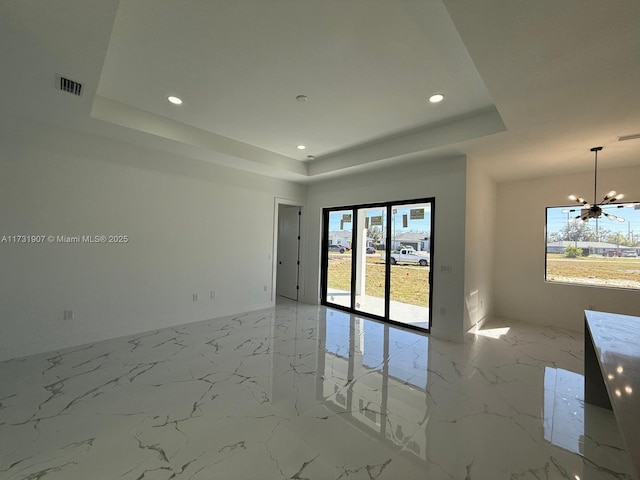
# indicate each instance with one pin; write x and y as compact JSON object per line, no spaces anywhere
{"x":616,"y":340}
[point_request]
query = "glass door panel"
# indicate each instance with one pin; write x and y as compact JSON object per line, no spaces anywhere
{"x":339,"y":261}
{"x":369,"y":262}
{"x":410,"y":263}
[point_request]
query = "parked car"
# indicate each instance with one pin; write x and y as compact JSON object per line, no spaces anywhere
{"x":629,"y":254}
{"x":371,"y":250}
{"x":336,"y":248}
{"x":407,"y":255}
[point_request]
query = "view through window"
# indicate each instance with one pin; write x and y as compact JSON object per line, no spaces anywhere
{"x":599,"y":252}
{"x":378,"y":258}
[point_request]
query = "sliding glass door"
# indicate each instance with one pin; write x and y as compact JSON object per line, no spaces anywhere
{"x":370,"y":271}
{"x":411,"y":270}
{"x":339,"y":259}
{"x":377,"y":260}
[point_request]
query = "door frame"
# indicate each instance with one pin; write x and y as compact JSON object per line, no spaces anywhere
{"x":324,"y":259}
{"x":274,"y":254}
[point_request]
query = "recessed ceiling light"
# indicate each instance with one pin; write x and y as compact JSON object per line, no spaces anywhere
{"x":436,"y":98}
{"x":301,"y":147}
{"x":302,"y":98}
{"x":175,"y":100}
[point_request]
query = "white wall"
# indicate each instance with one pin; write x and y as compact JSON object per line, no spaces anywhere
{"x":193,"y":227}
{"x":444,"y":179}
{"x":520,"y":290}
{"x":480,"y":241}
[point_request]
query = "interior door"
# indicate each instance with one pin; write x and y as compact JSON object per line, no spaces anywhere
{"x":288,"y":251}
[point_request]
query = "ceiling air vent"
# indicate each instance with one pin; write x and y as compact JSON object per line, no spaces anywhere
{"x":69,"y":86}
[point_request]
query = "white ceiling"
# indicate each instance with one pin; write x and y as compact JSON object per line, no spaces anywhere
{"x":530,"y":86}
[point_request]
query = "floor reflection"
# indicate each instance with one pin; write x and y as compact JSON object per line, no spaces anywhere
{"x":362,"y":363}
{"x":564,"y":409}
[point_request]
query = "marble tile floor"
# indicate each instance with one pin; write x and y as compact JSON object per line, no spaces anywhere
{"x":306,"y":392}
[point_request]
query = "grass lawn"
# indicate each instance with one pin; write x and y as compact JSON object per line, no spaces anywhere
{"x":409,"y":283}
{"x":614,"y":272}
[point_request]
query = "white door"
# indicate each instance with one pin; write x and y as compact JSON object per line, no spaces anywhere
{"x":288,"y":245}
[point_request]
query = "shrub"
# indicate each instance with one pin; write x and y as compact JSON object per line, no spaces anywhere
{"x":572,"y":252}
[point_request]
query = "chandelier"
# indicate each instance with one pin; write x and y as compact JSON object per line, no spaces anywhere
{"x":595,"y":210}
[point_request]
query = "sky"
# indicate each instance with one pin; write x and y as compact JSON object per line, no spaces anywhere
{"x":557,"y":220}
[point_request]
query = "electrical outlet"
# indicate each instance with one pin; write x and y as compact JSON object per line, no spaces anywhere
{"x":265,"y":288}
{"x":213,"y":294}
{"x":68,"y":314}
{"x":443,"y":311}
{"x":195,"y":297}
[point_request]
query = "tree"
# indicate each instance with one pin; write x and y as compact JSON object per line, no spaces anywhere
{"x":593,"y":236}
{"x":375,"y":234}
{"x":602,"y":235}
{"x":555,"y":237}
{"x":574,"y":231}
{"x":618,"y":238}
{"x":577,"y":231}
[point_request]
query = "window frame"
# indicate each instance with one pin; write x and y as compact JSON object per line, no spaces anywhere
{"x":576,"y":210}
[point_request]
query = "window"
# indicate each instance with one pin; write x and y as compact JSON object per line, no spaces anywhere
{"x":601,"y":252}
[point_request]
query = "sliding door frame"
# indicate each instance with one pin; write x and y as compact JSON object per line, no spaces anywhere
{"x":355,"y":246}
